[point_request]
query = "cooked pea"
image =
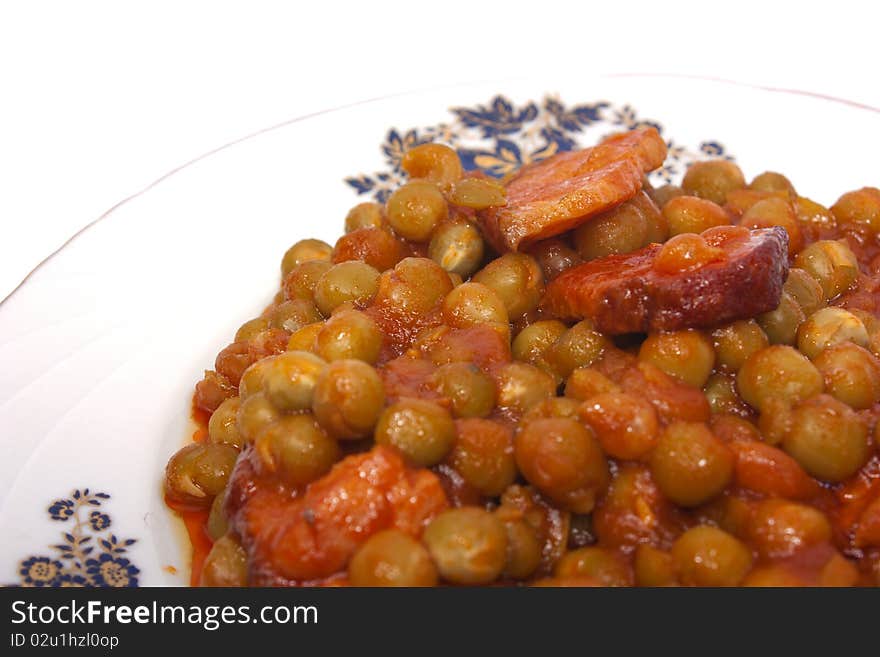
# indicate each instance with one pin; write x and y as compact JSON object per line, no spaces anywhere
{"x":296,"y":449}
{"x":198,"y":472}
{"x":731,"y":513}
{"x":300,"y":283}
{"x":422,"y":430}
{"x":874,"y":343}
{"x":851,"y":374}
{"x":708,"y":556}
{"x":735,"y":342}
{"x":376,"y":247}
{"x":530,"y":344}
{"x":860,"y":209}
{"x":580,"y":346}
{"x":553,"y":257}
{"x":468,"y":545}
{"x":686,"y":252}
{"x":620,"y":230}
{"x":831,"y":263}
{"x":289,"y":380}
{"x":223,"y":427}
{"x":720,"y":391}
{"x":218,"y":524}
{"x":828,"y":327}
{"x":653,"y":567}
{"x":779,"y":528}
{"x":775,"y":420}
{"x":304,"y":339}
{"x":609,"y":568}
{"x":470,"y":391}
{"x":777,"y":371}
{"x":349,"y":334}
{"x":523,"y":546}
{"x":665,"y":193}
{"x":520,"y":386}
{"x":773,"y":211}
{"x":564,"y":460}
{"x":415,"y":209}
{"x":585,"y":382}
{"x":517,"y":279}
{"x":627,"y":427}
{"x":348,"y":281}
{"x":457,"y":246}
{"x":690,"y":214}
{"x":804,"y":289}
{"x":815,"y":214}
{"x":392,"y":558}
{"x":686,"y":355}
{"x":656,"y":226}
{"x":364,"y":215}
{"x":731,"y":427}
{"x":712,"y":180}
{"x":478,"y":193}
{"x":349,"y":397}
{"x":251,"y":328}
{"x":483,"y":455}
{"x":838,"y":571}
{"x":233,"y":360}
{"x":301,"y":252}
{"x":414,"y":287}
{"x":690,"y":464}
{"x":255,"y":413}
{"x":293,"y":314}
{"x":436,"y":163}
{"x":553,"y":407}
{"x":828,"y":439}
{"x":781,"y":324}
{"x":225,"y":565}
{"x":771,"y":181}
{"x":471,"y":304}
{"x":870,"y":321}
{"x":579,"y":581}
{"x":773,"y":576}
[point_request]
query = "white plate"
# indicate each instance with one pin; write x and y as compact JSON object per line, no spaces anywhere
{"x":102,"y":345}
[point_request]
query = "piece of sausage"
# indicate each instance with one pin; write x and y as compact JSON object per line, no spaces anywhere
{"x":628,"y":294}
{"x":306,"y":535}
{"x":560,"y":193}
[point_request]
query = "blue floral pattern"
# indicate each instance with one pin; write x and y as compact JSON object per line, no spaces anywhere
{"x":85,"y":557}
{"x":61,"y":510}
{"x":499,"y":137}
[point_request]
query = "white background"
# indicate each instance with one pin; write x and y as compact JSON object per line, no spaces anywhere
{"x":98,"y":99}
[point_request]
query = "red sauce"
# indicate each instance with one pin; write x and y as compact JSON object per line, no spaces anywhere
{"x":196,"y":522}
{"x":194,"y":519}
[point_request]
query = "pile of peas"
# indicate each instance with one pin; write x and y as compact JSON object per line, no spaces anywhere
{"x":702,"y":458}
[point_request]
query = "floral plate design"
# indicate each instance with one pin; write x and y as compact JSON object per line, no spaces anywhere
{"x":499,"y":137}
{"x":85,"y":557}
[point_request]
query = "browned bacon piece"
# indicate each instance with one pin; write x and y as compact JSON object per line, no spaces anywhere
{"x":307,"y":535}
{"x":560,"y":193}
{"x":628,"y":294}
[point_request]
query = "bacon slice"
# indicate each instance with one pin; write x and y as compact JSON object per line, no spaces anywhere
{"x":299,"y":536}
{"x":560,"y":193}
{"x":626,"y":294}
